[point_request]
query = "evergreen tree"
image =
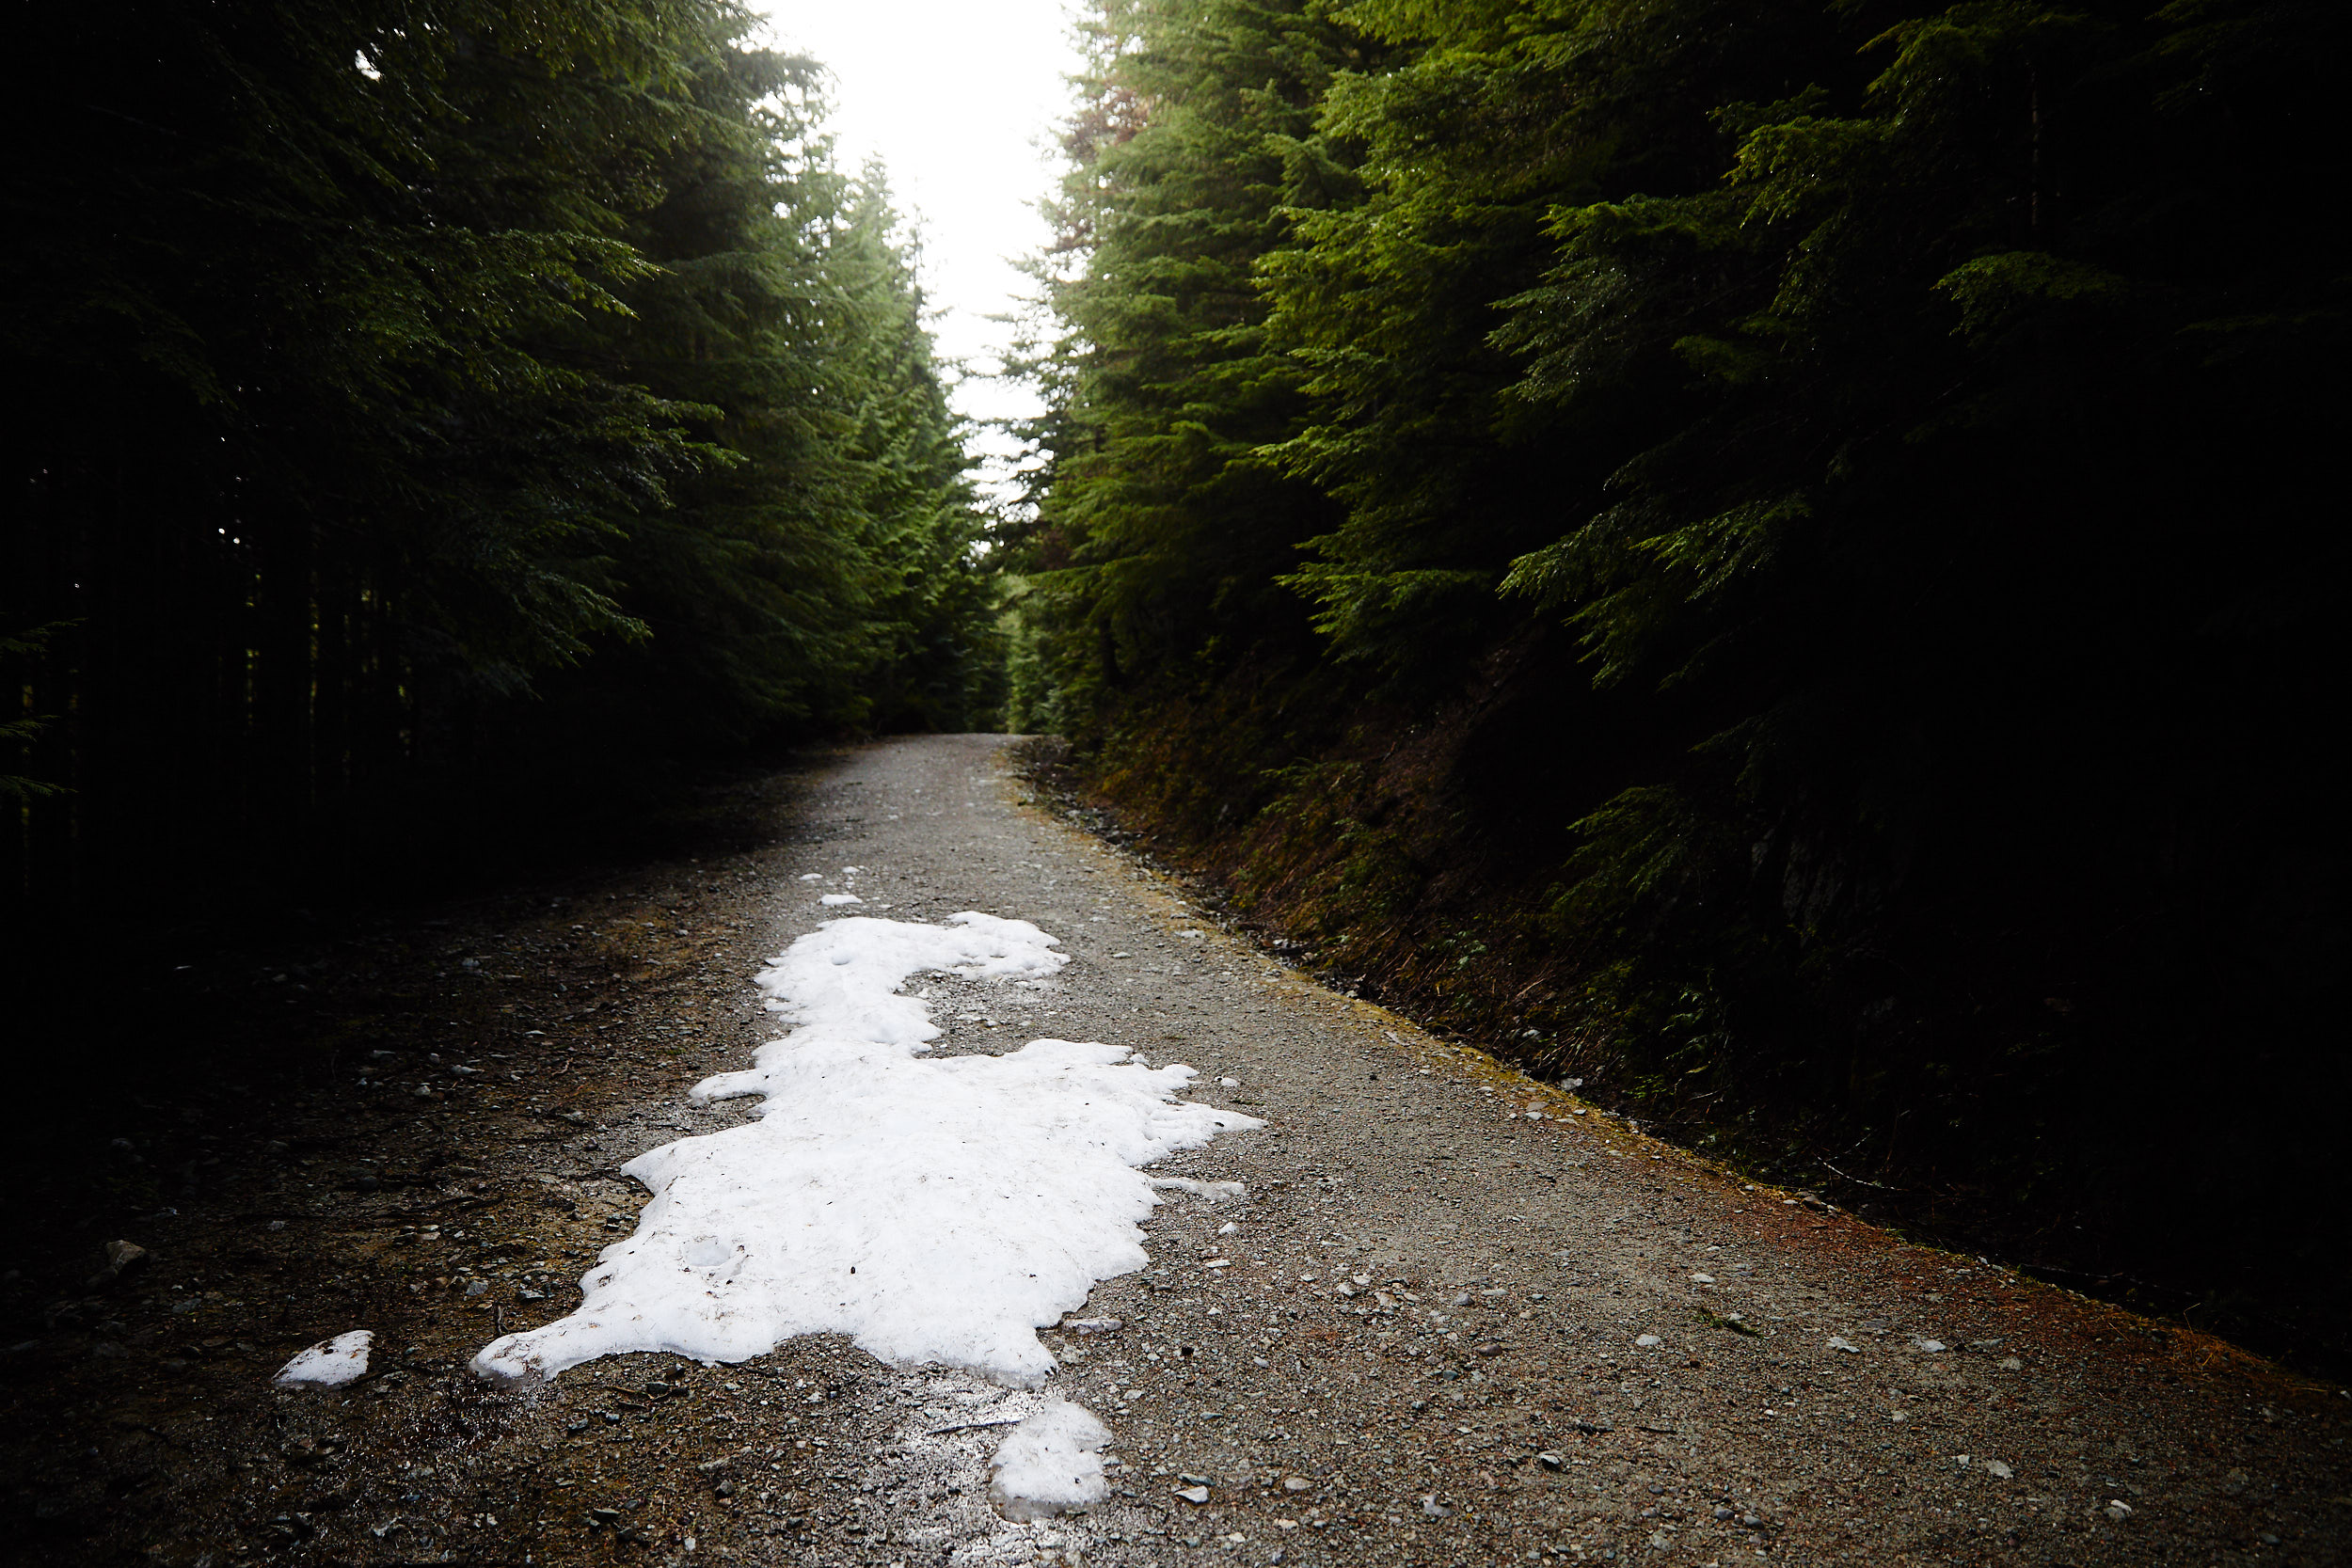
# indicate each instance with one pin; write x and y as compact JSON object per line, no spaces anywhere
{"x":449,"y":417}
{"x":1161,"y":531}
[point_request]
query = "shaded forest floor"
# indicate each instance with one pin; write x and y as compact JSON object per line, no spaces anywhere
{"x":316,"y":1123}
{"x":1472,"y":963}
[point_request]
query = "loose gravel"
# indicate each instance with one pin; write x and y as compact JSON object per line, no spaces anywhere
{"x":1450,"y":1316}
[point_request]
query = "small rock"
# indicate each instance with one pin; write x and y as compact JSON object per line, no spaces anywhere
{"x":1838,"y":1341}
{"x":1647,"y":1340}
{"x":1195,"y":1494}
{"x":2010,"y":1364}
{"x":478,"y":1288}
{"x":1722,"y":1512}
{"x":1932,"y":1347}
{"x":1997,"y":1470}
{"x":2118,"y":1510}
{"x":1432,"y":1509}
{"x":1587,"y":1425}
{"x":1490,"y":1347}
{"x":1096,"y":1326}
{"x":1702,"y":1279}
{"x":1298,"y":1483}
{"x":1551,"y":1461}
{"x":122,"y":1256}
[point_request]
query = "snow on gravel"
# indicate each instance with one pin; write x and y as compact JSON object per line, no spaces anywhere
{"x":1051,"y":1461}
{"x":331,"y":1363}
{"x":934,"y":1210}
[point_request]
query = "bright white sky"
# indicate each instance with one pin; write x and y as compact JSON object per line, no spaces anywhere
{"x":960,"y":98}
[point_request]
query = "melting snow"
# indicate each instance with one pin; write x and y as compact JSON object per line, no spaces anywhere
{"x":1051,"y":1461}
{"x":331,"y":1363}
{"x":935,"y":1210}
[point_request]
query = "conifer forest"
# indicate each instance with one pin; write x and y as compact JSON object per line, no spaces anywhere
{"x":1778,"y":559}
{"x":1781,"y":562}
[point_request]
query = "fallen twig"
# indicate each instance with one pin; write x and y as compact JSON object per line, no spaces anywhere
{"x":967,"y":1426}
{"x":1858,"y":1180}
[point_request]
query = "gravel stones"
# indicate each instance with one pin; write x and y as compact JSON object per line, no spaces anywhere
{"x":1592,"y":1230}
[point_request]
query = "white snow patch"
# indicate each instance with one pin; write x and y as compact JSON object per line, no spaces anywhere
{"x":835,"y":900}
{"x":1050,"y":1461}
{"x":1216,"y":1192}
{"x":933,"y":1210}
{"x":331,"y":1363}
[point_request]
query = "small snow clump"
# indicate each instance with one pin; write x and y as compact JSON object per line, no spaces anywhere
{"x":331,"y":1363}
{"x":1050,"y":1461}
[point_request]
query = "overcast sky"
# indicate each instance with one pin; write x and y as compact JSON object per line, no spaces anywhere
{"x":960,"y":98}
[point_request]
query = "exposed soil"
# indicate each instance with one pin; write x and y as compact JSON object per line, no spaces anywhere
{"x":1455,"y":1318}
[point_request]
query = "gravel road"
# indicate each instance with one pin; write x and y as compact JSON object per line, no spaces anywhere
{"x":1454,"y":1316}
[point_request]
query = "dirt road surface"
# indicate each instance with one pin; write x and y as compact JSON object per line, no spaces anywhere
{"x":1455,"y":1317}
